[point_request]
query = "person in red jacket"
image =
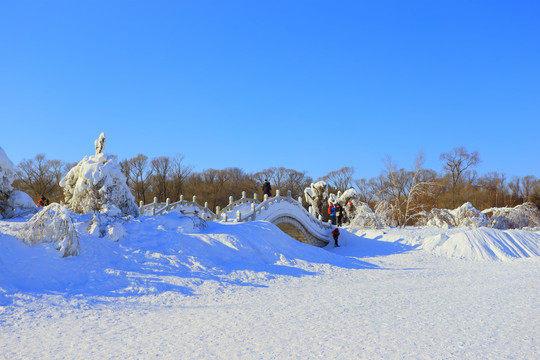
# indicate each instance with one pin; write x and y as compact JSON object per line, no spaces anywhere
{"x":335,"y":234}
{"x":42,"y":202}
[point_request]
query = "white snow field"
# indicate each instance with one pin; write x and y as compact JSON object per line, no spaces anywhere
{"x":170,"y":290}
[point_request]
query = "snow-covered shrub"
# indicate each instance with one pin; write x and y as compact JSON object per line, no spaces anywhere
{"x":105,"y":225}
{"x":96,"y":183}
{"x":317,"y":196}
{"x":525,"y":215}
{"x":385,"y":212}
{"x":52,"y":224}
{"x":441,"y":218}
{"x":365,"y":217}
{"x":7,"y":175}
{"x":468,"y":216}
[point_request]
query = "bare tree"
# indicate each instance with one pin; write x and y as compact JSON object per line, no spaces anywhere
{"x":161,"y":169}
{"x":284,"y":179}
{"x":179,"y":175}
{"x":341,"y":179}
{"x":139,"y":174}
{"x":456,"y":163}
{"x":40,"y":176}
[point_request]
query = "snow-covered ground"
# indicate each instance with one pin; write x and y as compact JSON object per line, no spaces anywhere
{"x":172,"y":290}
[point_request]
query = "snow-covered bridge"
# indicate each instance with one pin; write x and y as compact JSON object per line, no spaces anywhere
{"x":283,"y":211}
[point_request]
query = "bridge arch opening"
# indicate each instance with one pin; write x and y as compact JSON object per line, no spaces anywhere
{"x":293,"y":232}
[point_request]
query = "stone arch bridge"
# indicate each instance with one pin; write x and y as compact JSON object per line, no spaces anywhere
{"x":283,"y":211}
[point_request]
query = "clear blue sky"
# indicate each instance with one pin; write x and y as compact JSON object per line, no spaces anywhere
{"x":309,"y":85}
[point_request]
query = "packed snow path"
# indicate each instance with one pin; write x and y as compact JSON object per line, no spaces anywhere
{"x":284,"y":211}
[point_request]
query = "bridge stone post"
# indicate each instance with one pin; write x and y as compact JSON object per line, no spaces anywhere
{"x":252,"y":207}
{"x":300,"y":200}
{"x":243,"y":194}
{"x":265,"y":197}
{"x":320,"y":217}
{"x":153,"y":211}
{"x":181,"y":197}
{"x":255,"y":196}
{"x":231,"y":200}
{"x":238,"y":216}
{"x":310,"y":209}
{"x":218,"y":209}
{"x":289,"y":194}
{"x":277,"y":192}
{"x":195,"y":199}
{"x":224,"y":216}
{"x":141,"y":207}
{"x":167,"y":203}
{"x":206,"y":204}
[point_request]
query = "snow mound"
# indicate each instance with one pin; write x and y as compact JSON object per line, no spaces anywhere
{"x":484,"y":244}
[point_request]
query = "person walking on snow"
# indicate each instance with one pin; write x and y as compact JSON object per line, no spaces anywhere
{"x":332,"y":213}
{"x":266,"y":188}
{"x":335,"y":234}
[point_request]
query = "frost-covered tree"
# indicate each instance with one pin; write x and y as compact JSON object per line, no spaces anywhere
{"x":96,"y":183}
{"x":52,"y":224}
{"x":317,"y":196}
{"x":7,"y":175}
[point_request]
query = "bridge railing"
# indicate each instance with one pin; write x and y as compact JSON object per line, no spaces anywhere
{"x":257,"y":207}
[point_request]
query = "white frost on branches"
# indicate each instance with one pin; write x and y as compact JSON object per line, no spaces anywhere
{"x":522,"y":216}
{"x":525,"y":215}
{"x":96,"y":183}
{"x":53,"y":224}
{"x":364,"y":217}
{"x":316,"y":195}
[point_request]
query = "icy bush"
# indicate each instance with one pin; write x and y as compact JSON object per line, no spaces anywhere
{"x":104,"y":225}
{"x":385,"y":212}
{"x":52,"y":224}
{"x":7,"y":175}
{"x":468,"y":216}
{"x":525,"y":215}
{"x":96,"y":183}
{"x":441,"y":218}
{"x":365,"y":217}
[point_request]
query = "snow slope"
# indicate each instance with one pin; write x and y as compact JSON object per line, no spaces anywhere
{"x":170,"y":289}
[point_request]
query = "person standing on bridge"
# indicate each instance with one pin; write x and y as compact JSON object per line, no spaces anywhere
{"x":266,"y":188}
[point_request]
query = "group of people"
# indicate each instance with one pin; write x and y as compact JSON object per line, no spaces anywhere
{"x":336,"y":214}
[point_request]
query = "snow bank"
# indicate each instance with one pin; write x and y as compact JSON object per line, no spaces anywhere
{"x":485,"y":244}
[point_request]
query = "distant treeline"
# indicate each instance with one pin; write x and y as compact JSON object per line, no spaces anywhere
{"x":416,"y":189}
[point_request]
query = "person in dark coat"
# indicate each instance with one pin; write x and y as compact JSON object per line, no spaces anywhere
{"x":339,"y":214}
{"x":266,"y":188}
